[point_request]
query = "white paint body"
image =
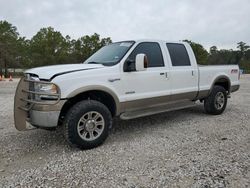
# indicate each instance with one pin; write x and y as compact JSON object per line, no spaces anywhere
{"x":148,"y":83}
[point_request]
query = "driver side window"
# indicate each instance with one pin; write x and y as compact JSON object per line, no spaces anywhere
{"x":152,"y":51}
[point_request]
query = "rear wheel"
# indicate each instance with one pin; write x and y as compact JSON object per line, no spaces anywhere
{"x":216,"y":102}
{"x":87,"y":124}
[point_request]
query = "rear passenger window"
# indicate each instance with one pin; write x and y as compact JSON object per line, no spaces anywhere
{"x":178,"y":54}
{"x":152,"y":51}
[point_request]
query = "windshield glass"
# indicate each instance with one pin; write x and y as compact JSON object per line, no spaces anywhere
{"x":111,"y":54}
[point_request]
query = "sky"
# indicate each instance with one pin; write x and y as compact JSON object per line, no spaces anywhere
{"x":209,"y":22}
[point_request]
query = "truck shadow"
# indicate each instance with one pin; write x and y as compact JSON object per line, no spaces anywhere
{"x":122,"y":130}
{"x":166,"y":120}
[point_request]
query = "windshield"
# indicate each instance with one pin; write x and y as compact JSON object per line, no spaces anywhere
{"x":111,"y":54}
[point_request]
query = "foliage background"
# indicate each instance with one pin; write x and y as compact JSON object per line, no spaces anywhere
{"x":48,"y":47}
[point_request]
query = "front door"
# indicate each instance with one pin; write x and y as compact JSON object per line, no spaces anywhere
{"x":150,"y":87}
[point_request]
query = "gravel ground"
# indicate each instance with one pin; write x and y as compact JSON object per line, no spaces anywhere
{"x":185,"y":148}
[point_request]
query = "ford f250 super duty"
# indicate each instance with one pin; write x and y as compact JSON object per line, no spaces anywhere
{"x":128,"y":79}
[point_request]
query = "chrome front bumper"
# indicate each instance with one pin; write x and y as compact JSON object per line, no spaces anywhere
{"x":37,"y":113}
{"x":44,"y":119}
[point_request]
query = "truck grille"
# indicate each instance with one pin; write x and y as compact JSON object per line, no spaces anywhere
{"x":29,"y":96}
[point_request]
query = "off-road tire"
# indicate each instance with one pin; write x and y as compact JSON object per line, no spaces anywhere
{"x":210,"y":101}
{"x":73,"y":117}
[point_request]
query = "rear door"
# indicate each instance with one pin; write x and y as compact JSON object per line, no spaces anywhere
{"x":183,"y":72}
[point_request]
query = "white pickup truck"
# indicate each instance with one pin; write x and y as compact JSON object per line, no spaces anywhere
{"x":128,"y":79}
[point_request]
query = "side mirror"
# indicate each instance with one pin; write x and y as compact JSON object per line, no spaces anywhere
{"x":141,"y":62}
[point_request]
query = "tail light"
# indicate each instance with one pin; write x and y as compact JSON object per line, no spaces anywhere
{"x":235,"y":71}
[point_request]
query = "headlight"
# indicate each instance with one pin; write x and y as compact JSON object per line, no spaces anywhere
{"x":47,"y":88}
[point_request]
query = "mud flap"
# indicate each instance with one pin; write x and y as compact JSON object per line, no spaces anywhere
{"x":20,"y":114}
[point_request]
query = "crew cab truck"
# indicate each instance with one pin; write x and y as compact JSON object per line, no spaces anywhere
{"x":129,"y":79}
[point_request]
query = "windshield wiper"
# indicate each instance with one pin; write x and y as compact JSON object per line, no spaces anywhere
{"x":102,"y":63}
{"x":94,"y":62}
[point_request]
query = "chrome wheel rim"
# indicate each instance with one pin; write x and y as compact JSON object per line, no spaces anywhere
{"x":90,"y":126}
{"x":219,"y":100}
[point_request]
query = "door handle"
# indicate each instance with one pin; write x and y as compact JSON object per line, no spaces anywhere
{"x":192,"y":72}
{"x":164,"y":73}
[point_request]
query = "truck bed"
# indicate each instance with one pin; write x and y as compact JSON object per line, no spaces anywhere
{"x":208,"y":74}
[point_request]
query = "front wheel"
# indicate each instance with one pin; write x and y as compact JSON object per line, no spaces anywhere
{"x":216,"y":102}
{"x":87,"y":124}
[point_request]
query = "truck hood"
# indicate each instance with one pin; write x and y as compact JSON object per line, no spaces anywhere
{"x":49,"y":72}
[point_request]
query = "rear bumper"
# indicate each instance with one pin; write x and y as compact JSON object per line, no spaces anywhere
{"x":235,"y":88}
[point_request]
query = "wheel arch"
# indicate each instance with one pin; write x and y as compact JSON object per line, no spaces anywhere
{"x":99,"y":93}
{"x":223,"y":81}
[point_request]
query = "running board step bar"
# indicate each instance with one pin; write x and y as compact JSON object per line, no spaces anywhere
{"x":158,"y":109}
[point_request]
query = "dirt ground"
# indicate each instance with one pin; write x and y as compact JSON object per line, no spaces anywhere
{"x":185,"y":148}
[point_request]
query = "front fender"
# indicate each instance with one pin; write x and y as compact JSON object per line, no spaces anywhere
{"x":97,"y":88}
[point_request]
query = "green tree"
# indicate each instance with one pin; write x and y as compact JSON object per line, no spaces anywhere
{"x":49,"y":47}
{"x":200,"y":52}
{"x":243,"y":47}
{"x":213,"y":50}
{"x":87,"y":45}
{"x":247,"y":55}
{"x":223,"y":57}
{"x":244,"y":56}
{"x":8,"y":45}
